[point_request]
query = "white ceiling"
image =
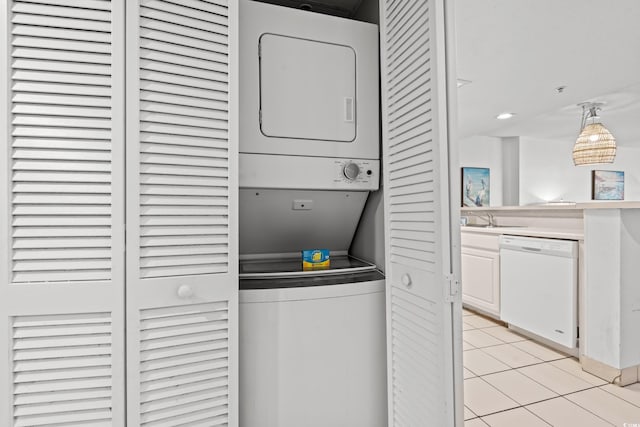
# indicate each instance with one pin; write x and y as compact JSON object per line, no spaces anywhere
{"x":516,"y":52}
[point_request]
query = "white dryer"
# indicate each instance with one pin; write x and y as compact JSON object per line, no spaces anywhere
{"x":309,"y":128}
{"x":309,"y":84}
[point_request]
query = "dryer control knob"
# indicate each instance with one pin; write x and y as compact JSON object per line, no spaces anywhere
{"x":351,"y":171}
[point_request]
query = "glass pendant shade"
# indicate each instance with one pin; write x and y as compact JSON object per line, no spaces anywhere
{"x":595,"y":145}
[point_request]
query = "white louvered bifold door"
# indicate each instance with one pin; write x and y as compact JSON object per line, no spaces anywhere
{"x":182,"y":272}
{"x":62,"y":213}
{"x":417,"y":214}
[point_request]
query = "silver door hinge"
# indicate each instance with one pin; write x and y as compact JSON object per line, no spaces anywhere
{"x":452,"y":289}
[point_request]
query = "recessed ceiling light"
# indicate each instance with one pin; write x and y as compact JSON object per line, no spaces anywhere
{"x":505,"y":116}
{"x":462,"y":82}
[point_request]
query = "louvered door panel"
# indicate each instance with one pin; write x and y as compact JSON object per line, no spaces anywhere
{"x":410,"y":135}
{"x":62,"y":133}
{"x":182,"y":294}
{"x":62,"y":216}
{"x":417,"y":355}
{"x":184,"y":365}
{"x":184,"y":132}
{"x":62,"y":370}
{"x":420,"y":375}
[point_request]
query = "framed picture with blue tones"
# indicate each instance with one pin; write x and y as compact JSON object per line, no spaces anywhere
{"x":475,"y":187}
{"x":607,"y":185}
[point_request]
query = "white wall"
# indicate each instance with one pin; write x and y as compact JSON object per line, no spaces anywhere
{"x":612,"y":297}
{"x":368,"y":242}
{"x":547,"y":172}
{"x":511,"y":171}
{"x":485,"y":152}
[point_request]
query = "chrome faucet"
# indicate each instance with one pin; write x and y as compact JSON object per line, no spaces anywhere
{"x":490,"y":219}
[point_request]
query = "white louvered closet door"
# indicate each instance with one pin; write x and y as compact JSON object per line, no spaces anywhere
{"x":182,"y":263}
{"x":62,"y":213}
{"x":417,"y":212}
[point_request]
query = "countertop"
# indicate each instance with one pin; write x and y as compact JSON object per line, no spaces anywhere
{"x":550,"y":233}
{"x":564,"y":206}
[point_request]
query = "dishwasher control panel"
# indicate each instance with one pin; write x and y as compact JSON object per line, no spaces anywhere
{"x":557,"y":247}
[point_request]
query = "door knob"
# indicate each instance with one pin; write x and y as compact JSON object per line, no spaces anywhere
{"x":185,"y":291}
{"x":406,"y":280}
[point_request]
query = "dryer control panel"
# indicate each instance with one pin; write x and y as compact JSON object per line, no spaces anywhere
{"x":357,"y":172}
{"x":311,"y":173}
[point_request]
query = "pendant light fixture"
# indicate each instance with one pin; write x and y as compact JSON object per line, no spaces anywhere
{"x":595,"y":144}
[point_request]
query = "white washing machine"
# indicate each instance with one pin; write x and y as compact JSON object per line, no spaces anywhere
{"x":312,"y":343}
{"x":312,"y":346}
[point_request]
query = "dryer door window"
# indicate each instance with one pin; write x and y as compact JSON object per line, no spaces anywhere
{"x":307,"y":89}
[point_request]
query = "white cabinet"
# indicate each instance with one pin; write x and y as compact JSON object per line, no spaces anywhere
{"x":480,"y":262}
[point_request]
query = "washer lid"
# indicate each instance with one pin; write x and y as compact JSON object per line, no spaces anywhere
{"x":292,"y":268}
{"x":311,"y":281}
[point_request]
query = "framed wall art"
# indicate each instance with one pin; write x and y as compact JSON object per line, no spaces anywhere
{"x":475,"y":187}
{"x":607,"y":185}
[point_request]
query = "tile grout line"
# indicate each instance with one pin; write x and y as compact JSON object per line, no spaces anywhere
{"x":586,"y":409}
{"x":536,"y":415}
{"x":558,"y":395}
{"x":569,"y":373}
{"x":524,"y":366}
{"x":536,"y":402}
{"x":615,"y":395}
{"x":563,"y":396}
{"x":523,"y":407}
{"x":564,"y":356}
{"x":473,"y":418}
{"x":598,"y":387}
{"x":512,"y":368}
{"x":499,"y":391}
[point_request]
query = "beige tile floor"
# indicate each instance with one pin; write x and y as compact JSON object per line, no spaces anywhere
{"x":510,"y":380}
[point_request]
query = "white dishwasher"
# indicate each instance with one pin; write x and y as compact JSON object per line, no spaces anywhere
{"x":539,"y":287}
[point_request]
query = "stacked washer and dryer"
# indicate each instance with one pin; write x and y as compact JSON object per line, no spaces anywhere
{"x":312,"y":343}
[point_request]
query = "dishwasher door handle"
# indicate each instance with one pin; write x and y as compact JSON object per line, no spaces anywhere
{"x":528,"y":248}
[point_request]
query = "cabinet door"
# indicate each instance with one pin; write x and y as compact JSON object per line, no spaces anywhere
{"x":62,"y":213}
{"x":422,"y":343}
{"x":182,"y":263}
{"x":481,"y":279}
